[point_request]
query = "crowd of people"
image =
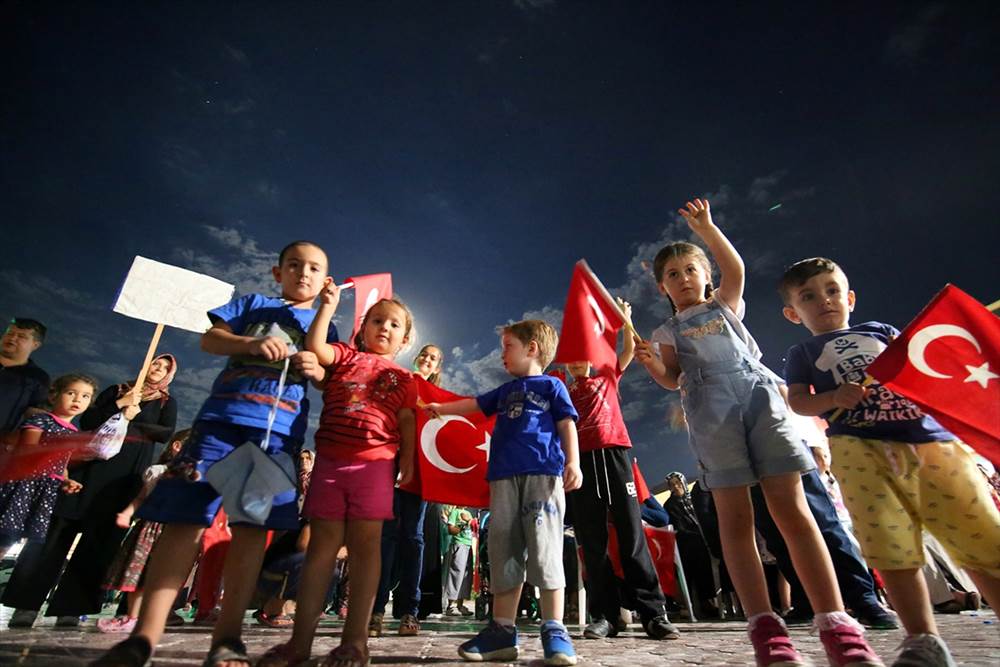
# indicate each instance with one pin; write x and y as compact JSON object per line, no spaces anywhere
{"x":783,"y":523}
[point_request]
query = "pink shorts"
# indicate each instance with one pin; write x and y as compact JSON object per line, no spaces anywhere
{"x":341,"y":490}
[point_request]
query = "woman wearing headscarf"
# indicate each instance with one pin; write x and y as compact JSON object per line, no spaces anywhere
{"x":108,"y":487}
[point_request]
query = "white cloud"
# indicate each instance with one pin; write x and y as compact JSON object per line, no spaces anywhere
{"x":909,"y":41}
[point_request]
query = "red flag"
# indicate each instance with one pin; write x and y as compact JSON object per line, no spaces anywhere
{"x":947,"y":361}
{"x":661,"y":549}
{"x":591,"y":321}
{"x":452,"y":452}
{"x":367,"y":291}
{"x":641,"y":489}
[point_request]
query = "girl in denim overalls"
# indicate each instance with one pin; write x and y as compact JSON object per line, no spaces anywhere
{"x":740,"y":432}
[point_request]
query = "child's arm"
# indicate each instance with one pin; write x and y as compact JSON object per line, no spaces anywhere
{"x":663,"y":368}
{"x":804,"y":402}
{"x":464,"y":406}
{"x":628,"y":341}
{"x":407,"y":443}
{"x":221,"y":340}
{"x":572,"y":475}
{"x":320,"y":327}
{"x":731,"y":270}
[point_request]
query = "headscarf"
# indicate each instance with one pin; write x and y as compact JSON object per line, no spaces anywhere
{"x":152,"y":391}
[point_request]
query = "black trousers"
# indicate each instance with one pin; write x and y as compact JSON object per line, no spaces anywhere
{"x":608,"y":487}
{"x":79,"y":589}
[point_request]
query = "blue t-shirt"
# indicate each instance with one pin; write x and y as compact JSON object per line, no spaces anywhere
{"x":245,"y":390}
{"x":525,"y":440}
{"x":831,"y":359}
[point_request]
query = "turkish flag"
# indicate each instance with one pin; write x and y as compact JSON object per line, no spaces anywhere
{"x":452,"y":452}
{"x":367,"y":292}
{"x":641,"y":489}
{"x":20,"y":462}
{"x":661,"y":549}
{"x":591,"y":321}
{"x":947,"y":361}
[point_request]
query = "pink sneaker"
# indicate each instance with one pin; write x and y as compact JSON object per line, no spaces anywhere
{"x":845,"y":646}
{"x":771,"y":644}
{"x":118,"y":624}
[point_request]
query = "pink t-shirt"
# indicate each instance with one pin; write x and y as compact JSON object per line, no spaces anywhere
{"x":596,"y":400}
{"x":361,"y":398}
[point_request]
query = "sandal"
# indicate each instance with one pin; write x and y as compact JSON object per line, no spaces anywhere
{"x":227,"y":650}
{"x":133,"y":652}
{"x":347,"y":656}
{"x":280,"y":656}
{"x":409,"y":626}
{"x":273,"y":620}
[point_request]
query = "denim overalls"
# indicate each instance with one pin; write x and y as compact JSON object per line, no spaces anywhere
{"x":738,"y":423}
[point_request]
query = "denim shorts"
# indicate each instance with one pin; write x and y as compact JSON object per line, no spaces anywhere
{"x":175,"y":500}
{"x":739,"y":428}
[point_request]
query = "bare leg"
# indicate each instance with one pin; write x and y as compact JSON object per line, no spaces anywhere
{"x":169,"y":565}
{"x":907,"y":590}
{"x":552,"y":604}
{"x":740,"y":550}
{"x":239,"y":575}
{"x":134,"y":603}
{"x":326,"y":539}
{"x":505,"y":603}
{"x":809,"y":552}
{"x":364,"y":560}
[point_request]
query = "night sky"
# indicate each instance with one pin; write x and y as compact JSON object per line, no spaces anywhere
{"x":476,"y":150}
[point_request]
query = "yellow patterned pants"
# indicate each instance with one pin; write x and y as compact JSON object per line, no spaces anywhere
{"x":893,"y":490}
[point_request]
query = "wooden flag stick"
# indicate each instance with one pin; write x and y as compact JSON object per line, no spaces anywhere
{"x":349,"y":283}
{"x":609,"y":299}
{"x":993,"y":307}
{"x":150,"y":353}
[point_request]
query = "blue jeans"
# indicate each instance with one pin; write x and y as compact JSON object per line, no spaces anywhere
{"x":402,"y":554}
{"x":856,"y":585}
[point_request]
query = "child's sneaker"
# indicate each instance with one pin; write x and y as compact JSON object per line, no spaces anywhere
{"x":844,"y":641}
{"x":22,"y":618}
{"x":494,"y":642}
{"x":924,"y":651}
{"x":557,"y":645}
{"x":772,"y":647}
{"x":375,"y":625}
{"x":118,"y":624}
{"x":452,"y":610}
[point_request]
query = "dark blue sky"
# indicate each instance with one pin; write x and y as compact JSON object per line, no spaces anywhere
{"x":477,"y":149}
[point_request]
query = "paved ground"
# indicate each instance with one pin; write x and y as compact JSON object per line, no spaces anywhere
{"x":974,"y":639}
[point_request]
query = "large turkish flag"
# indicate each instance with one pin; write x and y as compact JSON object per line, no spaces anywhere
{"x":591,"y":321}
{"x":452,"y":453}
{"x":367,"y":292}
{"x":661,"y":549}
{"x":947,"y":361}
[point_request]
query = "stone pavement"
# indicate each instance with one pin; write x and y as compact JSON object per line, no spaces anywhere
{"x":974,"y":638}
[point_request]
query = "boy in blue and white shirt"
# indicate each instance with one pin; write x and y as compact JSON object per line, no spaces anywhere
{"x":533,"y":462}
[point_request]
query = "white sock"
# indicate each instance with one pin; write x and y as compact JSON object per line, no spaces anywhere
{"x":752,"y":621}
{"x":831,"y":619}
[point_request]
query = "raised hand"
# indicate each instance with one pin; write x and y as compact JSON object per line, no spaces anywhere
{"x":644,"y":352}
{"x":698,"y":215}
{"x":330,"y":296}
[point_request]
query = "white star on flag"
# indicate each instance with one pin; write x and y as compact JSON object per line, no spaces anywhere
{"x":981,"y":374}
{"x":486,"y":445}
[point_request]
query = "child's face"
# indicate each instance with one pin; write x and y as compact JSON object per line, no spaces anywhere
{"x":385,"y":329}
{"x":73,"y":400}
{"x":823,"y":303}
{"x":579,"y":369}
{"x":428,"y":362}
{"x":302,"y":274}
{"x":518,"y":357}
{"x":684,"y":281}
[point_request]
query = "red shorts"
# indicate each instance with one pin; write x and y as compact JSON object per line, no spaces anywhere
{"x":342,"y":491}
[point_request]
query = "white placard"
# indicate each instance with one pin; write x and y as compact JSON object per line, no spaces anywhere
{"x":166,"y":294}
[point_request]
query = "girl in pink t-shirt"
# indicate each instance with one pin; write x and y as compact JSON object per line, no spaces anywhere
{"x":368,"y":417}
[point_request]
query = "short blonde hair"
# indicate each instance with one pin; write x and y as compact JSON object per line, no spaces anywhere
{"x":539,"y":331}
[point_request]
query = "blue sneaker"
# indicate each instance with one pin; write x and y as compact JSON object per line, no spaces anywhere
{"x":557,"y":645}
{"x":494,"y":642}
